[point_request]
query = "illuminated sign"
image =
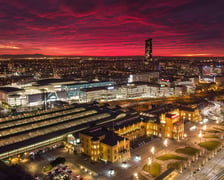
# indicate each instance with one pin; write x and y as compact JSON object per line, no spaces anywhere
{"x":174,"y":116}
{"x":206,"y":79}
{"x":165,"y":80}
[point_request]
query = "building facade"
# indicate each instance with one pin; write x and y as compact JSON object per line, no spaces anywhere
{"x":190,"y":113}
{"x":164,"y":123}
{"x":102,"y":144}
{"x":113,"y":144}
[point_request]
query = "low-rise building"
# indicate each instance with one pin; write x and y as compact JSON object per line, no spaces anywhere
{"x":102,"y":144}
{"x":130,"y":127}
{"x":13,"y":96}
{"x":164,"y":122}
{"x":152,"y":76}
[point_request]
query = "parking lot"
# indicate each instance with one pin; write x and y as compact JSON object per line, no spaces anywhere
{"x":62,"y":172}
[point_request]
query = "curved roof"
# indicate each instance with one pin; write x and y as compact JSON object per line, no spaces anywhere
{"x":10,"y":89}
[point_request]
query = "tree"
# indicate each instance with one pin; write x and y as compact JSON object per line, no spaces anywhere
{"x":58,"y":160}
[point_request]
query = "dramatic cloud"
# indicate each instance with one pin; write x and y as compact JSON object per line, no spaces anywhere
{"x":112,"y":27}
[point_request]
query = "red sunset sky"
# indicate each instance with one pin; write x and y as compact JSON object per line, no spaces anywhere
{"x":112,"y":27}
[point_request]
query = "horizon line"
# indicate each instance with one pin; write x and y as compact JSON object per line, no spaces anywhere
{"x":187,"y":55}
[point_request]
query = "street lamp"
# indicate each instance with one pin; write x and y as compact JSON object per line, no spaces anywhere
{"x":111,"y":172}
{"x":152,"y":151}
{"x":200,"y":135}
{"x":204,"y":127}
{"x":149,"y":161}
{"x":165,"y":142}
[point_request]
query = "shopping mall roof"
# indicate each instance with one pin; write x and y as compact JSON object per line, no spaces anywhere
{"x":10,"y":89}
{"x":53,"y":81}
{"x":92,"y":89}
{"x":23,"y":130}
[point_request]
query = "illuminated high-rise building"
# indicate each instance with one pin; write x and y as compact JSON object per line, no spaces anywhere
{"x":148,"y":51}
{"x":149,"y":61}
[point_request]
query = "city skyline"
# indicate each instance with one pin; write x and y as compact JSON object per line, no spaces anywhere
{"x":111,"y":28}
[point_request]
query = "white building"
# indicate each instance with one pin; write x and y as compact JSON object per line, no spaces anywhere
{"x":13,"y":96}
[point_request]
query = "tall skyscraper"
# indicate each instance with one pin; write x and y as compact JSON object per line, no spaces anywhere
{"x":148,"y":52}
{"x":149,"y":61}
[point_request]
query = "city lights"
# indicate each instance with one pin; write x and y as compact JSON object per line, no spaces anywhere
{"x":136,"y":175}
{"x":111,"y":89}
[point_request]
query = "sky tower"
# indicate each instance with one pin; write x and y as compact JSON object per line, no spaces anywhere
{"x":148,"y":51}
{"x":152,"y":64}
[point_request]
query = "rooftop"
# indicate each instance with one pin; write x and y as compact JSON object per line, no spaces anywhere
{"x":126,"y":121}
{"x":52,"y":80}
{"x":95,"y":132}
{"x":10,"y":89}
{"x":50,"y":124}
{"x":187,"y":108}
{"x":162,"y":109}
{"x":111,"y":138}
{"x":89,"y":82}
{"x":94,"y":89}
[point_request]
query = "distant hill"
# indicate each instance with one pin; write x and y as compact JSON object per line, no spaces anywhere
{"x":21,"y":55}
{"x":5,"y":56}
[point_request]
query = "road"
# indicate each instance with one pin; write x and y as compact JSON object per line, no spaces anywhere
{"x":213,"y":112}
{"x":210,"y":170}
{"x":133,"y":166}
